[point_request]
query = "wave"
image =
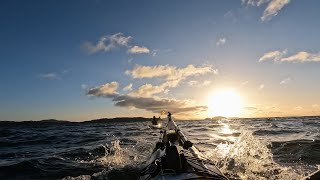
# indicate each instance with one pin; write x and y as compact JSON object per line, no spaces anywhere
{"x":250,"y":158}
{"x":267,"y":149}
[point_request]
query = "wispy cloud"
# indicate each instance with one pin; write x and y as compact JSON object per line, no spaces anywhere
{"x":53,"y":75}
{"x":149,"y":90}
{"x":221,"y":41}
{"x":298,"y":108}
{"x":285,"y":81}
{"x":193,"y":83}
{"x":244,"y":83}
{"x":261,"y":87}
{"x":128,"y":88}
{"x":172,"y":75}
{"x":264,"y":110}
{"x":315,"y":106}
{"x":84,"y":86}
{"x":169,"y":72}
{"x":254,"y":2}
{"x":49,"y":76}
{"x":105,"y":90}
{"x":302,"y":56}
{"x":249,"y":108}
{"x":231,"y":15}
{"x":273,"y":55}
{"x":272,"y":9}
{"x":106,"y":43}
{"x":206,"y":83}
{"x":138,"y":50}
{"x":130,"y":60}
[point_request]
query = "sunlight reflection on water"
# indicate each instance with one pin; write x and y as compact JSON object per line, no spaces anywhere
{"x":226,"y":129}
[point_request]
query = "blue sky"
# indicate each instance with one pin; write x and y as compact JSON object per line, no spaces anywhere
{"x":174,"y":53}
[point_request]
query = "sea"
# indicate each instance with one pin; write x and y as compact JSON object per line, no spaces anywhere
{"x":256,"y":148}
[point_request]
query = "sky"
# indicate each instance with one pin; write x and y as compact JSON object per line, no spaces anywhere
{"x":80,"y":60}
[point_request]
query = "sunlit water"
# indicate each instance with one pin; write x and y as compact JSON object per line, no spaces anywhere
{"x":282,"y":148}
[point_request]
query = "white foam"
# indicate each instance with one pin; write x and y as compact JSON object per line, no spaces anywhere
{"x":249,"y":158}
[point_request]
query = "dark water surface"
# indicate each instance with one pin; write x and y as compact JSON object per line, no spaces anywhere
{"x":275,"y":148}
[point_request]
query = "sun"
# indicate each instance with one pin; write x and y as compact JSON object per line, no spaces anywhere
{"x":226,"y":102}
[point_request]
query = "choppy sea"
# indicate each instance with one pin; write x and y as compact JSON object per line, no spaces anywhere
{"x":257,"y":148}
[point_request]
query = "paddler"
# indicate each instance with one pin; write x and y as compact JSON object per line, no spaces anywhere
{"x":154,"y":120}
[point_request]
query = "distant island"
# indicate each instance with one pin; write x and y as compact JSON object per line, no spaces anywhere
{"x":55,"y":121}
{"x":118,"y":119}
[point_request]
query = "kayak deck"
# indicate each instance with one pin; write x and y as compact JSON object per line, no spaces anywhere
{"x":175,"y":157}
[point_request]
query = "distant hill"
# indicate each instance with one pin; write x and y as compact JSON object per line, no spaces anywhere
{"x":117,"y":119}
{"x":41,"y":122}
{"x":55,"y":121}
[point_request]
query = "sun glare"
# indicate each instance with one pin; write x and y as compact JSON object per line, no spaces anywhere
{"x":227,"y":103}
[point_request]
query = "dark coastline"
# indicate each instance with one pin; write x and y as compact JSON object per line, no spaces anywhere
{"x":118,"y":119}
{"x":55,"y":121}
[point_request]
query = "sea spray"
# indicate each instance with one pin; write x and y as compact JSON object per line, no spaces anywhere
{"x":118,"y":161}
{"x":249,"y":158}
{"x":80,"y":149}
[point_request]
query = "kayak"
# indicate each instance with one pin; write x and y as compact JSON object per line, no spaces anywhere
{"x":176,"y":158}
{"x":314,"y":176}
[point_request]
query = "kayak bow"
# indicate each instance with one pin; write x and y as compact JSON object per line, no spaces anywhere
{"x":175,"y":157}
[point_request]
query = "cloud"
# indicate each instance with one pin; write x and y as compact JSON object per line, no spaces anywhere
{"x":221,"y":41}
{"x":152,"y":104}
{"x":273,"y":8}
{"x":206,"y":83}
{"x":156,"y":105}
{"x":149,"y":90}
{"x":264,"y":110}
{"x":138,"y":50}
{"x":84,"y":86}
{"x":49,"y":76}
{"x":302,"y":56}
{"x":254,"y":2}
{"x":261,"y":86}
{"x":231,"y":15}
{"x":193,"y":83}
{"x":244,"y":83}
{"x":145,"y":96}
{"x":169,"y":72}
{"x":53,"y":75}
{"x":249,"y":108}
{"x":315,"y":106}
{"x":130,"y":60}
{"x":273,"y":55}
{"x":128,"y":88}
{"x":298,"y":108}
{"x":106,"y":90}
{"x":107,"y":43}
{"x":285,"y":81}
